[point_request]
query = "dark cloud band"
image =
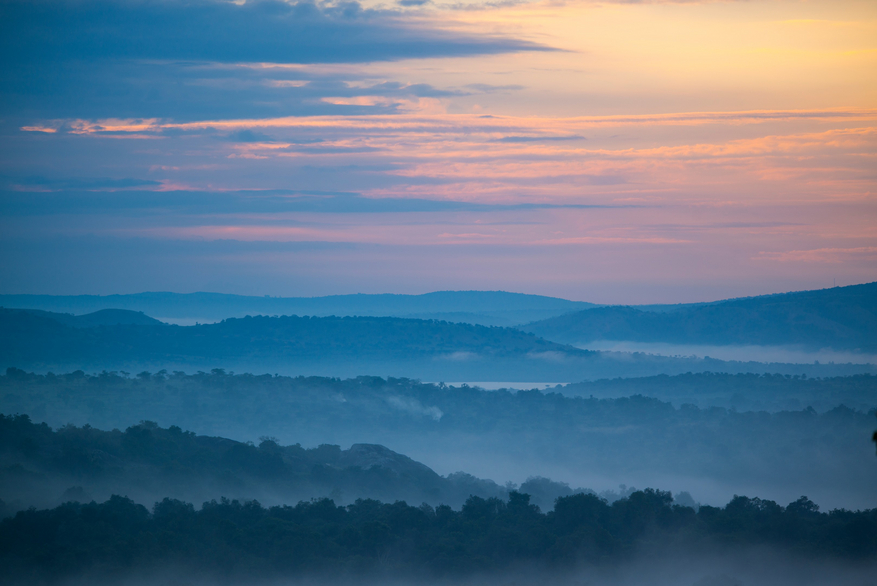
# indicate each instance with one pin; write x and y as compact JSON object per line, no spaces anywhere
{"x":168,"y":59}
{"x":209,"y":30}
{"x":106,"y":197}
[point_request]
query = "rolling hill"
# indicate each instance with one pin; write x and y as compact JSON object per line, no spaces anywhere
{"x":711,"y":451}
{"x":842,"y":318}
{"x":43,"y":467}
{"x":336,"y":346}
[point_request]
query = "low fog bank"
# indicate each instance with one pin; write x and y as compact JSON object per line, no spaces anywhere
{"x":843,"y":487}
{"x":738,"y":392}
{"x":738,"y":353}
{"x":731,"y":567}
{"x":145,"y":463}
{"x":457,"y":365}
{"x":587,"y":442}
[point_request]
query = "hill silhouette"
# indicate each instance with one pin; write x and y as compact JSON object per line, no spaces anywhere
{"x":843,"y":318}
{"x":103,"y":317}
{"x":477,"y":307}
{"x":336,"y":346}
{"x":29,"y":335}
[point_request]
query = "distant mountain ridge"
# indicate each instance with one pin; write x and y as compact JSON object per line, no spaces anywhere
{"x":498,"y":308}
{"x":338,"y":345}
{"x":843,"y":318}
{"x":103,"y":317}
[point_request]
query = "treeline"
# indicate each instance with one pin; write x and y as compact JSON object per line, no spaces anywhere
{"x":232,"y":539}
{"x":42,"y":467}
{"x":618,"y":437}
{"x":514,"y":434}
{"x":27,"y":336}
{"x":740,"y":391}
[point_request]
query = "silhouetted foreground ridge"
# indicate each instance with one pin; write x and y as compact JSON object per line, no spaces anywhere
{"x":243,"y":539}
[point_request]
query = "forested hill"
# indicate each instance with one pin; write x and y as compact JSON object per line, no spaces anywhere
{"x":742,"y":391}
{"x":334,"y":346}
{"x":641,"y":441}
{"x":840,"y":318}
{"x":43,"y":467}
{"x":478,"y":307}
{"x":28,"y":337}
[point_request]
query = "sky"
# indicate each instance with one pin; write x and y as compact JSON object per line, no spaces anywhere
{"x":613,"y":152}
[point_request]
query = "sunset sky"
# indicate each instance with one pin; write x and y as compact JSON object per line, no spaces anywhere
{"x":613,"y":152}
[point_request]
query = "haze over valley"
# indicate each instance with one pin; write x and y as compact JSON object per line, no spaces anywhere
{"x":430,"y":293}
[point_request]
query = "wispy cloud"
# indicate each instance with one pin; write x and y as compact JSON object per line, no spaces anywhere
{"x":494,"y":145}
{"x":420,"y":155}
{"x":821,"y":255}
{"x":420,"y":121}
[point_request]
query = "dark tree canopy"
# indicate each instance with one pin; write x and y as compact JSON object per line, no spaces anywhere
{"x":226,"y":539}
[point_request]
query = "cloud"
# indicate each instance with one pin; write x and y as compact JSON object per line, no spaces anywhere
{"x":415,"y":407}
{"x":525,"y":139}
{"x":822,"y":255}
{"x":101,"y":200}
{"x":486,"y":88}
{"x":427,"y":156}
{"x":248,"y":135}
{"x":187,"y":91}
{"x":612,"y":240}
{"x":83,"y":183}
{"x":270,"y":31}
{"x":179,"y":60}
{"x":549,"y":356}
{"x":458,"y":356}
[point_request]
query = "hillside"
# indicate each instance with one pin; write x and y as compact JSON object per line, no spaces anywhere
{"x":741,"y":391}
{"x":103,"y":317}
{"x":336,"y":346}
{"x":843,"y":318}
{"x":29,"y":337}
{"x":43,"y":467}
{"x":599,"y":443}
